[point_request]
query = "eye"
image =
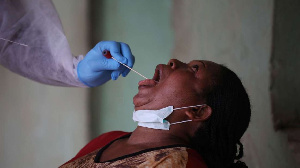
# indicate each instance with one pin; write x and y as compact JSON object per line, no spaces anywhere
{"x":195,"y":68}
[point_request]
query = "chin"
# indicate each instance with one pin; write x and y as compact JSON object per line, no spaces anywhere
{"x":137,"y":102}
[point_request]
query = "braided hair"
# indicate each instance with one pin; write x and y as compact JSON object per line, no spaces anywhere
{"x":217,"y":139}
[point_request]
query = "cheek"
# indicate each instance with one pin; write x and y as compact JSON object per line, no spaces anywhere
{"x":181,"y":82}
{"x":178,"y":90}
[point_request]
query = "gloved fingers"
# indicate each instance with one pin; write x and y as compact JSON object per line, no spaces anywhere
{"x":115,"y":75}
{"x":125,"y":73}
{"x":114,"y":48}
{"x":103,"y":64}
{"x":126,"y":52}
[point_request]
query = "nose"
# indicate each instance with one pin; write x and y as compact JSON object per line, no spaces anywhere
{"x":174,"y":63}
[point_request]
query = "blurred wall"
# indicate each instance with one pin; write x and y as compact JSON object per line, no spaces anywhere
{"x":146,"y":27}
{"x":285,"y":65}
{"x":285,"y":62}
{"x":44,"y":126}
{"x":239,"y":35}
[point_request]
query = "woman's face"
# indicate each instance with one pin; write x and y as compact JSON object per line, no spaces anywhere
{"x":177,"y":84}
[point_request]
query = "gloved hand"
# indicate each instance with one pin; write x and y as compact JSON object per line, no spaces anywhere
{"x":95,"y":69}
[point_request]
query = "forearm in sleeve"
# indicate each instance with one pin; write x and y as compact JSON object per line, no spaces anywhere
{"x":47,"y":57}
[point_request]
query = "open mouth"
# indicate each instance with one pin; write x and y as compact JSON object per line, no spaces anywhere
{"x":154,"y":81}
{"x":156,"y":76}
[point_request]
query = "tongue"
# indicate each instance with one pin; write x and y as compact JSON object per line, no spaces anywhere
{"x":147,"y":82}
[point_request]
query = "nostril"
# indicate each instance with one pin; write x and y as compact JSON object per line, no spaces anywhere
{"x":173,"y":63}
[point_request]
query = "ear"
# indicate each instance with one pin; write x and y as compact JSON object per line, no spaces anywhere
{"x":201,"y":113}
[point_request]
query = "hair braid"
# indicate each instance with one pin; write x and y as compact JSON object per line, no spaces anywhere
{"x":241,"y":151}
{"x":217,"y":139}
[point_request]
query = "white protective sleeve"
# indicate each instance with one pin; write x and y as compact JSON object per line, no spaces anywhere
{"x":48,"y":58}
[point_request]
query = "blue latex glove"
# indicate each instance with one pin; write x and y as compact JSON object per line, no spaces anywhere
{"x":95,"y":69}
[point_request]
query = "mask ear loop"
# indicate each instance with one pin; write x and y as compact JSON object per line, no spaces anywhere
{"x":180,"y":122}
{"x":188,"y":107}
{"x":185,"y":108}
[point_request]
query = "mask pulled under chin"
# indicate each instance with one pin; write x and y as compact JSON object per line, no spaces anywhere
{"x":155,"y":119}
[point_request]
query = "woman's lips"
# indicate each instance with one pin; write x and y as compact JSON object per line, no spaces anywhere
{"x":147,"y":82}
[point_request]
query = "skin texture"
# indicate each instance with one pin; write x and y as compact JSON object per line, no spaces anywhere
{"x":179,"y":85}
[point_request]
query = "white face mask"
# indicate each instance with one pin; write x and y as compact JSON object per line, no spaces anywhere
{"x":155,"y":119}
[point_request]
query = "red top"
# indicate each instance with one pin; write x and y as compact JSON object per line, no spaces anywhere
{"x":194,"y":159}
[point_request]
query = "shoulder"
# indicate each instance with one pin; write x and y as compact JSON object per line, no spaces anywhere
{"x":99,"y":142}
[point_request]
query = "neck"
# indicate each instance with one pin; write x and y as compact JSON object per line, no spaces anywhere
{"x":142,"y":135}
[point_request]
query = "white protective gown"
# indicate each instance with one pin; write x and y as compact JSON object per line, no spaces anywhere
{"x":48,"y":58}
